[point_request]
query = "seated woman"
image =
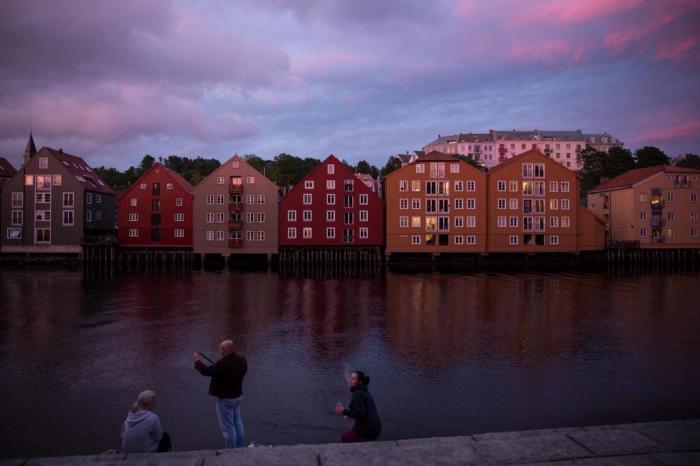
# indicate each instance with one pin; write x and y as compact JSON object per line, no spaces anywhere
{"x":141,"y":432}
{"x":362,"y":409}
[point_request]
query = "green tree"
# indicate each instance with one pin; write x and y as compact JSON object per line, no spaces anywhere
{"x":147,"y":162}
{"x":363,"y":167}
{"x":649,"y":156}
{"x":690,"y":161}
{"x":599,"y":165}
{"x":393,"y":164}
{"x":256,"y":162}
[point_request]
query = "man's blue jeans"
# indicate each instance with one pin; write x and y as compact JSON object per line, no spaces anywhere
{"x":228,"y":410}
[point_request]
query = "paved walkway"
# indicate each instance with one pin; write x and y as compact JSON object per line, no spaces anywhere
{"x":674,"y":443}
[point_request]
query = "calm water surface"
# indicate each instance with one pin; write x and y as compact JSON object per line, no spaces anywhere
{"x":448,"y":354}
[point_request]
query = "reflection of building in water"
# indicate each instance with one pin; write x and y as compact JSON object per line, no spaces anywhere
{"x":435,"y":322}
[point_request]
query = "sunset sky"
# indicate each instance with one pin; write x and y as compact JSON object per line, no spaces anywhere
{"x":363,"y":79}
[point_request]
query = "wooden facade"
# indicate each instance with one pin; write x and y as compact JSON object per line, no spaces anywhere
{"x":330,"y":207}
{"x":436,"y":204}
{"x":156,"y":211}
{"x":56,"y":203}
{"x":235,"y":211}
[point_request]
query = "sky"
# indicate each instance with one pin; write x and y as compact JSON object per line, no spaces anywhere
{"x":361,"y":79}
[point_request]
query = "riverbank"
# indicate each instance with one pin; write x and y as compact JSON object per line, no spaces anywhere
{"x":651,"y":443}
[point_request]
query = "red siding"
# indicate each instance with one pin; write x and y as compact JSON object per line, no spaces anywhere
{"x":294,"y":200}
{"x":144,"y":208}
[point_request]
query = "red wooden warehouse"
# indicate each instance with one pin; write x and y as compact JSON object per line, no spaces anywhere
{"x":330,"y":207}
{"x":156,"y":211}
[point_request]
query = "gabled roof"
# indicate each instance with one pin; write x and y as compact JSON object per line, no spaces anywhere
{"x":238,"y":158}
{"x":80,"y":170}
{"x":436,"y":156}
{"x":519,"y":157}
{"x":632,"y":177}
{"x":6,"y":168}
{"x":177,"y":178}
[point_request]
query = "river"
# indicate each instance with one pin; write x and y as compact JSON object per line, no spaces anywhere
{"x":447,"y":354}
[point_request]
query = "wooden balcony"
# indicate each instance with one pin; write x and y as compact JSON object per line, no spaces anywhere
{"x":235,"y":189}
{"x":235,"y":243}
{"x":232,"y":225}
{"x":236,"y":207}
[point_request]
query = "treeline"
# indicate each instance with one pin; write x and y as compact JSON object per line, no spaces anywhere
{"x":598,"y":166}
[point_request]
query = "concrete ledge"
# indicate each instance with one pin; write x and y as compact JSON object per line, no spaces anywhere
{"x":653,"y":443}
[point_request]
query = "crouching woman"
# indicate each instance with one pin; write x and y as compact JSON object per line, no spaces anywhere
{"x":362,"y":409}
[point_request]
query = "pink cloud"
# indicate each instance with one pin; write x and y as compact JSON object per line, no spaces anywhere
{"x":571,"y":11}
{"x":685,"y":130}
{"x":329,"y":63}
{"x":677,"y":50}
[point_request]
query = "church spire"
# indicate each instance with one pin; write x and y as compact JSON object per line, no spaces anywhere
{"x":30,"y":149}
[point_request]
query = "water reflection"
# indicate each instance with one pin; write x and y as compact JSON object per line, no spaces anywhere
{"x":479,"y":352}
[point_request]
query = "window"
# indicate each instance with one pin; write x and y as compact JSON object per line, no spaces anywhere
{"x":14,"y":233}
{"x":68,"y":218}
{"x":364,"y":233}
{"x":57,"y":180}
{"x":642,"y":232}
{"x":513,"y":186}
{"x":430,"y":187}
{"x":454,"y":168}
{"x":133,"y":233}
{"x":17,"y":217}
{"x":415,"y":186}
{"x":693,"y":232}
{"x":415,"y":222}
{"x":309,"y":184}
{"x":528,"y":170}
{"x":88,"y":198}
{"x":693,"y":216}
{"x":669,"y":197}
{"x":98,"y":198}
{"x":554,"y":204}
{"x":459,"y":186}
{"x":88,"y":216}
{"x":538,"y":188}
{"x":17,"y":200}
{"x":43,"y":162}
{"x":348,"y":201}
{"x":178,"y":201}
{"x":330,"y":184}
{"x":179,"y":217}
{"x":564,"y":204}
{"x":539,"y":170}
{"x":330,"y":199}
{"x":642,"y":216}
{"x":29,"y":180}
{"x":364,"y":199}
{"x":459,"y":239}
{"x":471,"y":203}
{"x":444,"y":205}
{"x":43,"y":215}
{"x":250,"y":217}
{"x":261,"y":235}
{"x":249,"y":180}
{"x":210,"y":217}
{"x":179,"y":233}
{"x":291,"y":233}
{"x":348,"y":185}
{"x":671,"y":233}
{"x":330,"y":215}
{"x":565,"y":222}
{"x":443,"y":223}
{"x":513,"y":240}
{"x":330,"y":233}
{"x":364,"y":215}
{"x":250,"y":235}
{"x":249,"y":199}
{"x":565,"y":186}
{"x":210,"y":199}
{"x":211,"y":235}
{"x":459,"y":203}
{"x":431,"y":205}
{"x":471,"y":185}
{"x":43,"y":198}
{"x":501,"y":185}
{"x":415,"y":239}
{"x":513,"y":222}
{"x":459,"y":222}
{"x":306,"y":215}
{"x":671,"y":216}
{"x":403,"y":221}
{"x":643,"y":197}
{"x":330,"y":168}
{"x":501,"y":221}
{"x":527,"y":188}
{"x":306,"y":233}
{"x":513,"y":203}
{"x":415,"y":203}
{"x":693,"y":197}
{"x":471,"y":240}
{"x":291,"y":215}
{"x":553,"y":240}
{"x":554,"y":222}
{"x":471,"y":221}
{"x":403,"y":185}
{"x":443,"y":188}
{"x":220,"y":180}
{"x":553,"y":186}
{"x":420,"y":168}
{"x":348,"y":218}
{"x":308,"y":198}
{"x":501,"y":203}
{"x":437,"y":169}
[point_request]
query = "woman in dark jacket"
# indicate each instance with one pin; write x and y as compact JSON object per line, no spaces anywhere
{"x":362,"y":409}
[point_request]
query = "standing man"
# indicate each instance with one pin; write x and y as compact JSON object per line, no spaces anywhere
{"x":227,"y":385}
